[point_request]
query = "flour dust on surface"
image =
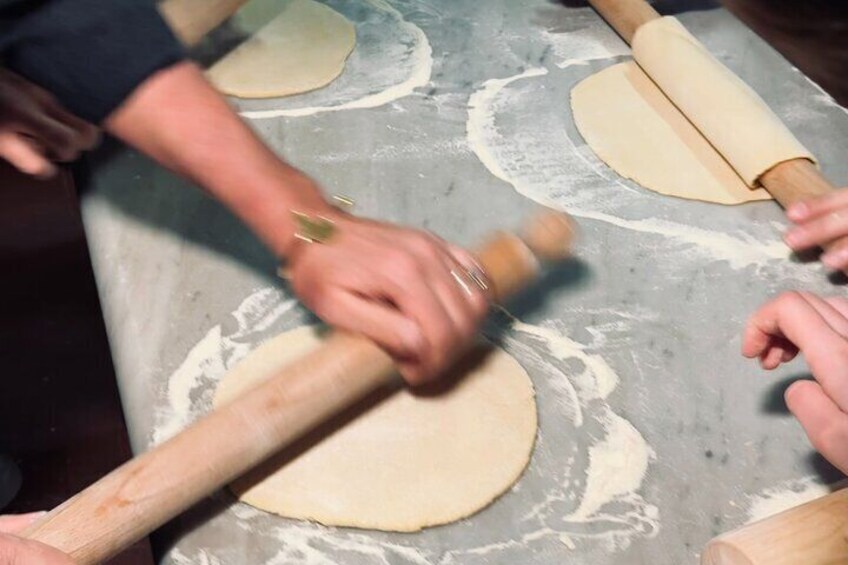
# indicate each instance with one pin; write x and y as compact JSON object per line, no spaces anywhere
{"x":583,"y":485}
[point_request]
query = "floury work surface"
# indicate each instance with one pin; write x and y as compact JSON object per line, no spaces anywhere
{"x":655,"y":434}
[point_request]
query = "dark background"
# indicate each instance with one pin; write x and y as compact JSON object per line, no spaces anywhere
{"x":61,"y":421}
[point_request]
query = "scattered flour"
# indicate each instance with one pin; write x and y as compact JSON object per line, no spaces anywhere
{"x":620,"y":462}
{"x":200,"y":558}
{"x":786,"y":495}
{"x":480,"y":127}
{"x":590,"y":463}
{"x":596,"y":381}
{"x":392,"y":58}
{"x":542,"y":162}
{"x":593,"y":39}
{"x":214,"y":355}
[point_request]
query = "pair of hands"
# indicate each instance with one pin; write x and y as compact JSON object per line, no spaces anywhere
{"x":18,"y":551}
{"x":803,"y":322}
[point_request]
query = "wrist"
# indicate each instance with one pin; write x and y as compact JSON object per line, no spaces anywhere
{"x":282,"y":212}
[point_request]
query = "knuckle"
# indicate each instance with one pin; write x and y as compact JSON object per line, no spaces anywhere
{"x":841,"y":353}
{"x":60,"y":135}
{"x":404,"y":267}
{"x":425,"y":243}
{"x":401,"y":262}
{"x":430,"y":250}
{"x":839,"y":302}
{"x":311,"y":294}
{"x":831,"y":438}
{"x":320,"y":303}
{"x":790,"y":299}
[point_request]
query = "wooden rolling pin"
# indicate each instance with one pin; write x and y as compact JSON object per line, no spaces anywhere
{"x":811,"y":534}
{"x":192,"y":19}
{"x":790,"y":181}
{"x":149,"y":490}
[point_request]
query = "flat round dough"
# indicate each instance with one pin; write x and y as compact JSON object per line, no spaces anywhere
{"x":631,"y":125}
{"x":303,"y":48}
{"x":407,"y":462}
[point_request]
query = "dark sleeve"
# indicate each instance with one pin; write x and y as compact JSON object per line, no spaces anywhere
{"x":91,"y":54}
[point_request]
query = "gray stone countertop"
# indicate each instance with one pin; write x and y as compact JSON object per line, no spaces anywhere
{"x":655,"y":434}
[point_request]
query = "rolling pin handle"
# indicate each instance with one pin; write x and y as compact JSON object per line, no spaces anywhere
{"x":812,"y":533}
{"x":625,"y":16}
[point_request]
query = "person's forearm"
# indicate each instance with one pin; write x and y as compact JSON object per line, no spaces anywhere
{"x":177,"y":118}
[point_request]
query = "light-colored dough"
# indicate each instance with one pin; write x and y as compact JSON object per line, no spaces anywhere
{"x":303,"y":48}
{"x":406,"y":463}
{"x":636,"y":130}
{"x":735,"y":120}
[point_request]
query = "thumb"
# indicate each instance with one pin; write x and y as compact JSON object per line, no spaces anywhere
{"x":18,"y":551}
{"x":14,"y":523}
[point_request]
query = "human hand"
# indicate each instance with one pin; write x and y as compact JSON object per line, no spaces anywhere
{"x":35,"y":130}
{"x":803,"y":322}
{"x":19,"y":551}
{"x":820,"y":222}
{"x":410,"y":292}
{"x":406,"y":290}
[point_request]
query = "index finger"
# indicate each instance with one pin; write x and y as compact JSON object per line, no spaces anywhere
{"x":816,"y":207}
{"x":826,"y":351}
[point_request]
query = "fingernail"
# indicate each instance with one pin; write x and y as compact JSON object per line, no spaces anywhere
{"x":794,"y":238}
{"x":797,"y":211}
{"x":835,"y":259}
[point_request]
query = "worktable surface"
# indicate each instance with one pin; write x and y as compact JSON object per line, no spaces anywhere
{"x":633,"y":347}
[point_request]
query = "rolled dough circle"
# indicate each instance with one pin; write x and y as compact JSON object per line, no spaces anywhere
{"x":407,"y":462}
{"x":735,"y":120}
{"x":635,"y":129}
{"x":301,"y":49}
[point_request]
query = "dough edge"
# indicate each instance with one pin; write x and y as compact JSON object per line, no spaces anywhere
{"x":409,"y":526}
{"x":329,"y":73}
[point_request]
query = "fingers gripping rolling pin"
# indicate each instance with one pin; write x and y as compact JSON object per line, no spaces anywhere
{"x":789,"y":181}
{"x":149,"y":490}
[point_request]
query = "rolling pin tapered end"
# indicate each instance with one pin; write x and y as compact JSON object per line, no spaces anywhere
{"x":550,"y":235}
{"x":719,"y":552}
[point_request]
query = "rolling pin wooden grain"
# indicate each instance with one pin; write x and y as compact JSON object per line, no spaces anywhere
{"x":146,"y":492}
{"x":810,"y":534}
{"x":788,"y":182}
{"x":190,"y":20}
